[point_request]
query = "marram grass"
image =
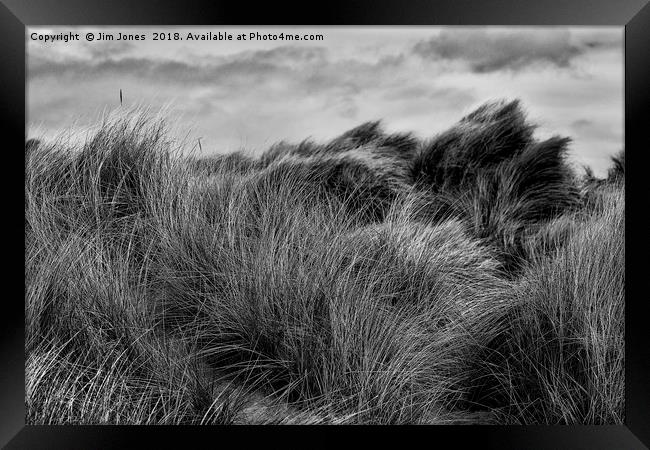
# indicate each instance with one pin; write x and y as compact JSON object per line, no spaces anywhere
{"x":469,"y":278}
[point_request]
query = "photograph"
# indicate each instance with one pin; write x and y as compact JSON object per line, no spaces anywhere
{"x":324,"y":225}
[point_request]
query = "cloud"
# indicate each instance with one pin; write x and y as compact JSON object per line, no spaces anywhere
{"x":107,"y":49}
{"x":283,"y":86}
{"x":345,"y":107}
{"x":416,"y":92}
{"x":599,"y":39}
{"x":284,"y":55}
{"x":421,"y":80}
{"x":600,"y":130}
{"x":198,"y":70}
{"x":281,"y":72}
{"x":492,"y":50}
{"x":148,"y":68}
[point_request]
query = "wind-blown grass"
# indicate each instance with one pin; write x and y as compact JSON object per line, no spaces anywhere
{"x":489,"y":170}
{"x":372,"y":279}
{"x":562,"y":358}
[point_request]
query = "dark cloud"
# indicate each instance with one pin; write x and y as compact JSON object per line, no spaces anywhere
{"x":284,"y":55}
{"x":599,"y":44}
{"x":147,"y":68}
{"x":492,"y":50}
{"x":600,"y":39}
{"x":107,"y":49}
{"x":197,"y":70}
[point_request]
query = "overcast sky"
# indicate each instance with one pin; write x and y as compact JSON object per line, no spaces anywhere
{"x":236,"y":95}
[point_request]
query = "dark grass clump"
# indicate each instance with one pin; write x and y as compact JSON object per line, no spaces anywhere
{"x":364,"y":167}
{"x":493,"y":133}
{"x":593,"y":188}
{"x":519,"y":196}
{"x":366,"y":186}
{"x":368,"y":136}
{"x":617,"y":171}
{"x":561,"y":360}
{"x":489,"y":171}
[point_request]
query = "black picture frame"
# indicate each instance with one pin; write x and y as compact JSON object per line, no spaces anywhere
{"x":634,"y":15}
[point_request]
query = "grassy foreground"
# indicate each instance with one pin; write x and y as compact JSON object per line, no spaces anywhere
{"x":471,"y":278}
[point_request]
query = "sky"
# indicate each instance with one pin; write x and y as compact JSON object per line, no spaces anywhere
{"x":247,"y":95}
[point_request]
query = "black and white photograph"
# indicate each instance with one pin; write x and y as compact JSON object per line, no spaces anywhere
{"x":336,"y":225}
